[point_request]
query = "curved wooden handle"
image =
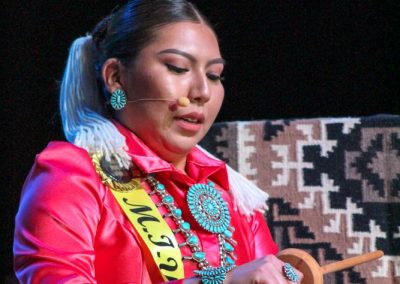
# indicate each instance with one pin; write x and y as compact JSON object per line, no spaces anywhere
{"x":349,"y":262}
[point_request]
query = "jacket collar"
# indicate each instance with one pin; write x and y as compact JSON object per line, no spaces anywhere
{"x":199,"y":166}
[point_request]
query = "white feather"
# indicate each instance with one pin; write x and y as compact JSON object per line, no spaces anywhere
{"x":247,"y":196}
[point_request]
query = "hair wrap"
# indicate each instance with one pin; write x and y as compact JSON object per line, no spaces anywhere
{"x":82,"y":110}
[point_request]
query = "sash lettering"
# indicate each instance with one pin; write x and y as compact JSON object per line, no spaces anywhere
{"x":155,"y":234}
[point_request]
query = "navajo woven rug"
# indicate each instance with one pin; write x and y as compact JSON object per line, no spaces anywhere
{"x":334,"y":186}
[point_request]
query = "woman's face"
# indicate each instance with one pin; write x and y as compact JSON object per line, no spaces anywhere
{"x":183,"y":60}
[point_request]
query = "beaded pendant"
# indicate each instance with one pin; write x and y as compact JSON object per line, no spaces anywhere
{"x":208,"y":208}
{"x":211,"y":213}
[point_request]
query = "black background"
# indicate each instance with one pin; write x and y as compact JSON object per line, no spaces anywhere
{"x":286,"y":59}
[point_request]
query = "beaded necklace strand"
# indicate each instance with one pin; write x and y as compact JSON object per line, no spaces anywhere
{"x":211,"y":213}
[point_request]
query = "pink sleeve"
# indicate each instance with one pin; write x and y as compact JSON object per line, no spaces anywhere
{"x":55,"y":226}
{"x":263,"y":241}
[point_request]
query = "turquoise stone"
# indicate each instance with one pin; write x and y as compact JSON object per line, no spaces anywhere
{"x":228,"y":247}
{"x":190,"y":200}
{"x":208,"y":208}
{"x":160,"y":187}
{"x":192,"y":240}
{"x":185,"y":226}
{"x":199,"y":256}
{"x":228,"y":234}
{"x":168,"y":199}
{"x":229,"y":260}
{"x":177,"y":212}
{"x":118,"y":99}
{"x":210,"y":183}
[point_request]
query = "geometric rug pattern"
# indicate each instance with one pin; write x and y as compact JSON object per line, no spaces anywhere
{"x":333,"y":185}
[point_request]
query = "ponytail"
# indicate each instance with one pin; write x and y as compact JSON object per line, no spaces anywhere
{"x":82,"y":110}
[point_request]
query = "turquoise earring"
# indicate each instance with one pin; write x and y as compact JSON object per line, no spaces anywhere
{"x":118,"y":99}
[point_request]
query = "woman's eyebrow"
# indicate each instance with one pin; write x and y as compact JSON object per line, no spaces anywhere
{"x":217,"y":61}
{"x":191,"y":57}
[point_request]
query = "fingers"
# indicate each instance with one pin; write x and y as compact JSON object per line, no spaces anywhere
{"x":273,"y":274}
{"x":279,"y":264}
{"x":291,"y":273}
{"x":276,"y":266}
{"x":265,"y":270}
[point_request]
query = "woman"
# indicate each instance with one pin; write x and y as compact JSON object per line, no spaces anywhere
{"x":131,"y":198}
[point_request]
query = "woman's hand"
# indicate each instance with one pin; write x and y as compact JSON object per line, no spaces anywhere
{"x":265,"y":270}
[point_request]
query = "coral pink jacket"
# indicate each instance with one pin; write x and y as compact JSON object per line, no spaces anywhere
{"x":70,"y":229}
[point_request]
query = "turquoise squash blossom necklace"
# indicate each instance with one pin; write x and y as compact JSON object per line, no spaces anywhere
{"x":211,"y":212}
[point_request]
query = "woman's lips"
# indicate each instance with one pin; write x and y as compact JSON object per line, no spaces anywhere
{"x":191,"y":121}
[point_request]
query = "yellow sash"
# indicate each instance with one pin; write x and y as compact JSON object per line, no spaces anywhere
{"x":148,"y":223}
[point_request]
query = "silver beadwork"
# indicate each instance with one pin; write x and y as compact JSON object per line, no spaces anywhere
{"x":224,"y":232}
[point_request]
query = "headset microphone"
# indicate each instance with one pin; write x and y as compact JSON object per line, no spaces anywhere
{"x":182,"y":101}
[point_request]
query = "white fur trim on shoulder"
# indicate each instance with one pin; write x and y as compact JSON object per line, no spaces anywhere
{"x":247,"y":196}
{"x":102,"y":137}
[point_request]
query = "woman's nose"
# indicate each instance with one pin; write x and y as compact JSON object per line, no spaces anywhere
{"x":200,"y":91}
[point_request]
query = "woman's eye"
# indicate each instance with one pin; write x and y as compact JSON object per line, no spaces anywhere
{"x":176,"y":69}
{"x":215,"y":77}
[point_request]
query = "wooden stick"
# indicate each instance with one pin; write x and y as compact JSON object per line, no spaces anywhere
{"x":352,"y":261}
{"x":313,"y":272}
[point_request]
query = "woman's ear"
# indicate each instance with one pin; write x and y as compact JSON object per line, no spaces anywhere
{"x":111,"y":73}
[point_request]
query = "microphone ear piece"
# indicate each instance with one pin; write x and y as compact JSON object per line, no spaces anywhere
{"x":183,"y":101}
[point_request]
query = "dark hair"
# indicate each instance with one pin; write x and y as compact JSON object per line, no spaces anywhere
{"x":121,"y":35}
{"x":133,"y":26}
